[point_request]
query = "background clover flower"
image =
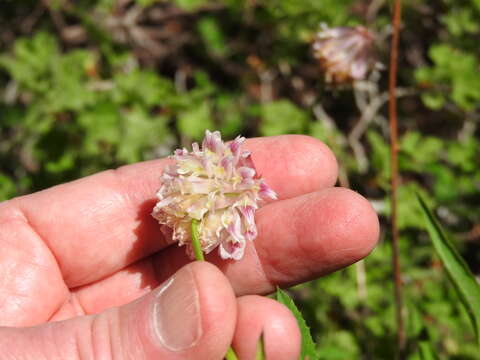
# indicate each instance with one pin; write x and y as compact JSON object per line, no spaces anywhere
{"x":217,"y":186}
{"x":345,"y":54}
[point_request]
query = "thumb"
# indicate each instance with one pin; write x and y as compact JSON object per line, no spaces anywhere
{"x":190,"y":316}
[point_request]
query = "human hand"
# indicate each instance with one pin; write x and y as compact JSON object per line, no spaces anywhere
{"x":89,"y":253}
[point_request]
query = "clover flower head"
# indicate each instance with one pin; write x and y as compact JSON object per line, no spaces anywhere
{"x":346,"y":54}
{"x":218,"y":186}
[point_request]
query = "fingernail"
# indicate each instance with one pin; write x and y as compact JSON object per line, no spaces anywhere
{"x":177,"y":320}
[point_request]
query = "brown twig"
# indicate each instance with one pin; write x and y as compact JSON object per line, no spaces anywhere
{"x":392,"y":111}
{"x":56,"y":15}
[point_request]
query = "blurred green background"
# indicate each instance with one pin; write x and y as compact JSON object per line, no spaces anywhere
{"x":92,"y":84}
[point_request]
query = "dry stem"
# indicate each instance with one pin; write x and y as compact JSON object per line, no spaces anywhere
{"x":392,"y":110}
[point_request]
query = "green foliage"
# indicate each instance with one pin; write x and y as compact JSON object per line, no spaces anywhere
{"x":425,"y":351}
{"x":299,"y":19}
{"x":7,"y":187}
{"x":188,"y":4}
{"x":453,"y":170}
{"x":282,"y":117}
{"x":213,"y":37}
{"x":454,"y":77}
{"x":380,"y":157}
{"x":461,"y":21}
{"x":194,"y":122}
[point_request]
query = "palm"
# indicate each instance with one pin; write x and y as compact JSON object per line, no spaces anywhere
{"x":91,"y":244}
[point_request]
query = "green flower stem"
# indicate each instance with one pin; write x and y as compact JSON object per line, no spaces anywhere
{"x":197,"y":250}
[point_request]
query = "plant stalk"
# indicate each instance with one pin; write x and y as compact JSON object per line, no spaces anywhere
{"x":197,"y":250}
{"x":392,"y":111}
{"x":197,"y":247}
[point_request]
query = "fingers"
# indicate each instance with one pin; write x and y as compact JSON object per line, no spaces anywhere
{"x":27,"y":269}
{"x":103,"y":222}
{"x":190,"y":316}
{"x":257,"y":315}
{"x":299,"y":239}
{"x":294,"y":164}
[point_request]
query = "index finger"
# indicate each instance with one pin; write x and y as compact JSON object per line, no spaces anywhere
{"x":100,"y":224}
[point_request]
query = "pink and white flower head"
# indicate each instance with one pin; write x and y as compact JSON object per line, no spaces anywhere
{"x":218,"y":186}
{"x":346,"y":54}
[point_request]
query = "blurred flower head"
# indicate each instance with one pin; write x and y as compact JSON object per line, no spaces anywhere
{"x":218,"y":186}
{"x":346,"y":54}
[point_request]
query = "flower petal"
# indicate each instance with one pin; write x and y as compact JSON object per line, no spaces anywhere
{"x":231,"y":250}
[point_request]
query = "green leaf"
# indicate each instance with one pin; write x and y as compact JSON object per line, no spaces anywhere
{"x":64,"y":163}
{"x":380,"y":156}
{"x":139,"y":131}
{"x":455,"y":70}
{"x":212,"y":36}
{"x":190,"y":5}
{"x":261,"y":348}
{"x":282,"y":117}
{"x":100,"y":126}
{"x":230,"y":355}
{"x":154,"y":90}
{"x":460,"y":21}
{"x":339,"y":345}
{"x":308,"y":345}
{"x":229,"y":113}
{"x":464,"y":281}
{"x":7,"y":187}
{"x":425,"y":351}
{"x":32,"y":61}
{"x":434,"y":101}
{"x":409,"y":216}
{"x":145,"y":2}
{"x":195,"y":121}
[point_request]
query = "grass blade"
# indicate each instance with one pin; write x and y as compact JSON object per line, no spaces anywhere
{"x":464,"y":281}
